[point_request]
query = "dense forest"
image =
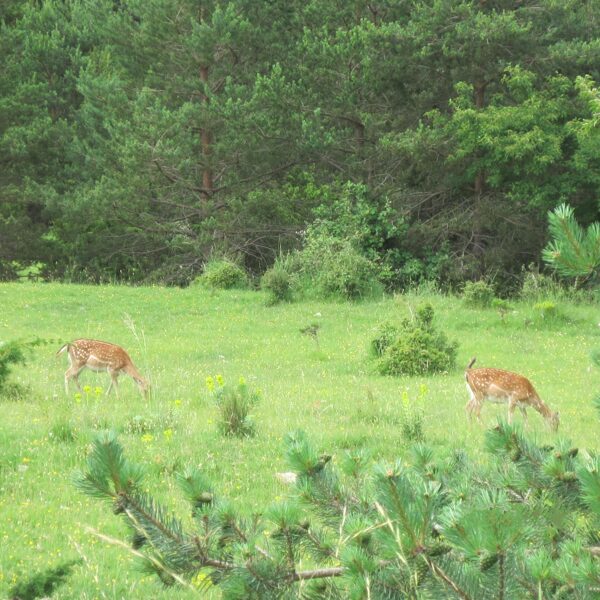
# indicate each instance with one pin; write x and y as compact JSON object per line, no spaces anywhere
{"x":138,"y":138}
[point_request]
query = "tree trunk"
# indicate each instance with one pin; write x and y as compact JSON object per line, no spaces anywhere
{"x":206,"y":140}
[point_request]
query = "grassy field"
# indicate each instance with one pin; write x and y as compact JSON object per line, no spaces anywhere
{"x":179,"y":337}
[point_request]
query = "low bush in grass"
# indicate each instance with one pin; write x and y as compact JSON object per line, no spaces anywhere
{"x":478,"y":294}
{"x":277,"y":282}
{"x":385,"y":335}
{"x":235,"y":403}
{"x":329,"y":267}
{"x":223,"y":274}
{"x":418,"y":348}
{"x":11,"y":354}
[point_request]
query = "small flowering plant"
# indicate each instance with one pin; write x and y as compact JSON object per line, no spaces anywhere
{"x":412,"y":415}
{"x":234,"y":403}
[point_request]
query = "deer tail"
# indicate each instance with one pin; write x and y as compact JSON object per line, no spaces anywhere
{"x":471,"y":363}
{"x":62,"y":349}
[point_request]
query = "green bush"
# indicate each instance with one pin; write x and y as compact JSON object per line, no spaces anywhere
{"x":418,"y":349}
{"x":330,"y":267}
{"x":277,"y":282}
{"x":234,"y":404}
{"x":385,"y":335}
{"x":537,"y":286}
{"x":223,"y":274}
{"x":478,"y":294}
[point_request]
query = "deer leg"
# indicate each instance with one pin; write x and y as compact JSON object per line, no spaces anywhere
{"x":113,"y":381}
{"x":72,"y":373}
{"x":511,"y":409}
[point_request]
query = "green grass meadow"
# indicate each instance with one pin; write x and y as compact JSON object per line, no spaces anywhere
{"x":179,"y":337}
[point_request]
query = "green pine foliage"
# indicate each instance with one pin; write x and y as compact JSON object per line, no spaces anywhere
{"x":573,"y":251}
{"x":523,"y":526}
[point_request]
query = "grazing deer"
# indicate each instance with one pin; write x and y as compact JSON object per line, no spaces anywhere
{"x":497,"y":385}
{"x":100,"y":356}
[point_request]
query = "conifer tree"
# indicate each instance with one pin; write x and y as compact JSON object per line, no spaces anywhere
{"x":573,"y":250}
{"x":525,"y":526}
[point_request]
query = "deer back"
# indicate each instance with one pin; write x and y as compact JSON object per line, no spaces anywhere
{"x":85,"y":351}
{"x":499,"y":383}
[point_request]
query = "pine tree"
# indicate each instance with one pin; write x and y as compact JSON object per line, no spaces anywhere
{"x":525,"y":526}
{"x":573,"y":251}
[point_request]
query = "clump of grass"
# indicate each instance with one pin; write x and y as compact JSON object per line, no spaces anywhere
{"x":312,"y":331}
{"x":62,"y":432}
{"x":140,"y":424}
{"x":412,"y":416}
{"x":234,"y":403}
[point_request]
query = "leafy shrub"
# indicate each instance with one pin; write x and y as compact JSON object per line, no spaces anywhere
{"x":13,"y":353}
{"x":223,"y":274}
{"x":537,"y":286}
{"x":277,"y":281}
{"x":418,"y":348}
{"x":386,"y":334}
{"x":234,"y":404}
{"x":478,"y":294}
{"x":330,"y":267}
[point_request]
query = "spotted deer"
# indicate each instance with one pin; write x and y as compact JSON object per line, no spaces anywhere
{"x":501,"y":386}
{"x":100,"y":356}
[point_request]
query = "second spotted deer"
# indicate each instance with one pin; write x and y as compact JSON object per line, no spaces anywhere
{"x":497,"y":385}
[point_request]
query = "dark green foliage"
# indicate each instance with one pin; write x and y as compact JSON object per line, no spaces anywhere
{"x":478,"y":294}
{"x":418,"y":348}
{"x":13,"y":353}
{"x":44,"y":583}
{"x":223,"y":274}
{"x":142,"y":129}
{"x":523,"y":526}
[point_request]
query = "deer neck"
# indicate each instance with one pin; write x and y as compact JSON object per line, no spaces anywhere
{"x":538,"y":404}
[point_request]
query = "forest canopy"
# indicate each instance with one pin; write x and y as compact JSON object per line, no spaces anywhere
{"x":138,"y":138}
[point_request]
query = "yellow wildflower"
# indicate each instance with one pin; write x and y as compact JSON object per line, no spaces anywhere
{"x":147,"y":438}
{"x":97,"y":390}
{"x":405,"y":400}
{"x":242,"y":381}
{"x":77,"y":397}
{"x":168,"y":433}
{"x":220,"y":380}
{"x":210,"y":383}
{"x":87,"y":389}
{"x":26,"y":459}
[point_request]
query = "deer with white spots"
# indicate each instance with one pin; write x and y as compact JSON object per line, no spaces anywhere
{"x":100,"y":356}
{"x":501,"y":386}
